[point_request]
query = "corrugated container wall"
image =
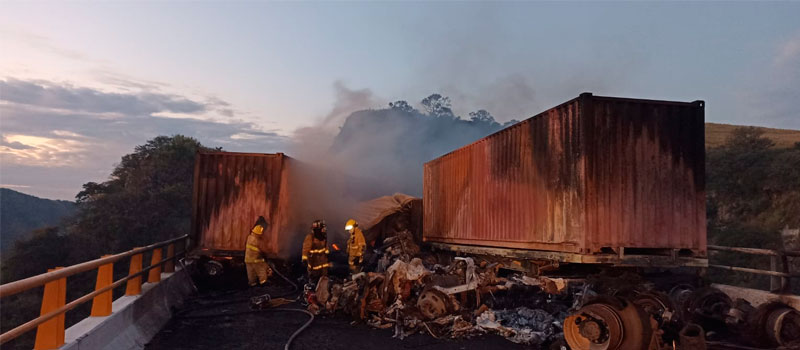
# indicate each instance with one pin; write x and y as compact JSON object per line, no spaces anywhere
{"x":231,"y":190}
{"x":591,"y":174}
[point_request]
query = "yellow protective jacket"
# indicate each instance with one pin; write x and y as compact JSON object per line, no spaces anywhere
{"x":315,"y":251}
{"x":252,"y":252}
{"x":356,"y":243}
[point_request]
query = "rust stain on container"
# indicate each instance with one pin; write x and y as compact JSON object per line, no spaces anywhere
{"x":231,"y":190}
{"x":594,"y":174}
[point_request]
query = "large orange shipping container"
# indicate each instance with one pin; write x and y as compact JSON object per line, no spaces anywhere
{"x":594,"y":175}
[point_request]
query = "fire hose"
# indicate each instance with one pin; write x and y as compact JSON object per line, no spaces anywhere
{"x":294,"y":285}
{"x":238,"y":300}
{"x":294,"y":335}
{"x":299,"y":330}
{"x":311,"y":316}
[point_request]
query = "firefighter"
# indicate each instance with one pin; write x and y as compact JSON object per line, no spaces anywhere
{"x":257,"y":269}
{"x":355,"y":246}
{"x":315,"y":251}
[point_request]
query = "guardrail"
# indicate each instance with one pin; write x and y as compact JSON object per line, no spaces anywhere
{"x":50,"y":323}
{"x":781,"y":276}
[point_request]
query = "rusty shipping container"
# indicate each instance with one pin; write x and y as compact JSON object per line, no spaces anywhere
{"x":230,"y":191}
{"x":592,"y":176}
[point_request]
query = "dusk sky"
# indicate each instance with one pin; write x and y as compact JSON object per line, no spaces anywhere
{"x":82,"y":83}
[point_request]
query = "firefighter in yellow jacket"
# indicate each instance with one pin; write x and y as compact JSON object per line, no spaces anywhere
{"x":355,"y":246}
{"x":257,"y":269}
{"x":315,"y":251}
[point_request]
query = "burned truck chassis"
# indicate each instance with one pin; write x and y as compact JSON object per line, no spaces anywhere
{"x":536,"y":262}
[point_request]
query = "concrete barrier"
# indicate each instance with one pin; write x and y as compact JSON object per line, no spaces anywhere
{"x":135,"y":319}
{"x":757,"y":297}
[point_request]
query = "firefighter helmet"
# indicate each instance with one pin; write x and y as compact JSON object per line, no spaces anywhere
{"x":350,"y":225}
{"x":318,"y":224}
{"x":260,"y":225}
{"x":318,"y":228}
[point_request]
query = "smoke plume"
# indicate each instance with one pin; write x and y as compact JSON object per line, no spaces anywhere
{"x":384,"y":149}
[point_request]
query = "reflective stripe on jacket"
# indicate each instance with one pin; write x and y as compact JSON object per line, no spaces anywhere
{"x":316,"y":252}
{"x":252,"y":253}
{"x":356,"y":243}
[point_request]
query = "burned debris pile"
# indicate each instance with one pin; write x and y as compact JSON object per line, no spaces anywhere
{"x":412,"y":292}
{"x":461,"y":299}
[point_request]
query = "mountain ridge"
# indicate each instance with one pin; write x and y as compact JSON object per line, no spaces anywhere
{"x":21,"y":213}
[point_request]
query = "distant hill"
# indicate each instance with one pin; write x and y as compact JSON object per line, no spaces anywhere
{"x":21,"y":213}
{"x":716,"y":134}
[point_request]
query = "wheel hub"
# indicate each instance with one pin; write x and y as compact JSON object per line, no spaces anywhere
{"x":593,"y":330}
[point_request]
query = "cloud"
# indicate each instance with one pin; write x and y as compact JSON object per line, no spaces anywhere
{"x":79,"y":99}
{"x":13,"y":186}
{"x":788,"y":53}
{"x":124,"y":82}
{"x":43,"y":151}
{"x":41,"y":42}
{"x":773,"y":96}
{"x":14,"y":145}
{"x":53,"y":130}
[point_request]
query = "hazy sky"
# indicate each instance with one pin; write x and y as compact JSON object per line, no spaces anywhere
{"x":82,"y":83}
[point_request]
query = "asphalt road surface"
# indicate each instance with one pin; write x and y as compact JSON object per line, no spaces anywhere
{"x":223,"y":320}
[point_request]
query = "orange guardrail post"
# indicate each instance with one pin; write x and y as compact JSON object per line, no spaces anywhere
{"x":134,"y":285}
{"x":50,"y":334}
{"x":169,"y":266}
{"x":101,"y":304}
{"x":154,"y":275}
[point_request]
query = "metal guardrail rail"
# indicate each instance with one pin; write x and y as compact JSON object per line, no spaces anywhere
{"x":50,"y":323}
{"x":779,"y":271}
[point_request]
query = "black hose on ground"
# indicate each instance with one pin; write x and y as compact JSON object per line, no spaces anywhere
{"x":295,"y":288}
{"x":294,"y":285}
{"x":301,"y":329}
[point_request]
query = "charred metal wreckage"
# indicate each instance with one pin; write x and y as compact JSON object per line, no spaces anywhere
{"x":471,"y":296}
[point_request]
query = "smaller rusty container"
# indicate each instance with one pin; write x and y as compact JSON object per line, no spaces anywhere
{"x":231,"y":190}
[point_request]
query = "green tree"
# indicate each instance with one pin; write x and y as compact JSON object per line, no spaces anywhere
{"x":147,"y":199}
{"x":748,"y":138}
{"x":439,"y":106}
{"x":402,"y":106}
{"x":753,"y":191}
{"x":44,"y":249}
{"x":736,"y":176}
{"x":482,"y":116}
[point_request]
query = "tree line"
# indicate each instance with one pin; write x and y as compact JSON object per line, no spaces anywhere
{"x":752,"y":196}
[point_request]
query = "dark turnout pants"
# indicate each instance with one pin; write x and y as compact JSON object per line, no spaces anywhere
{"x":257,"y":272}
